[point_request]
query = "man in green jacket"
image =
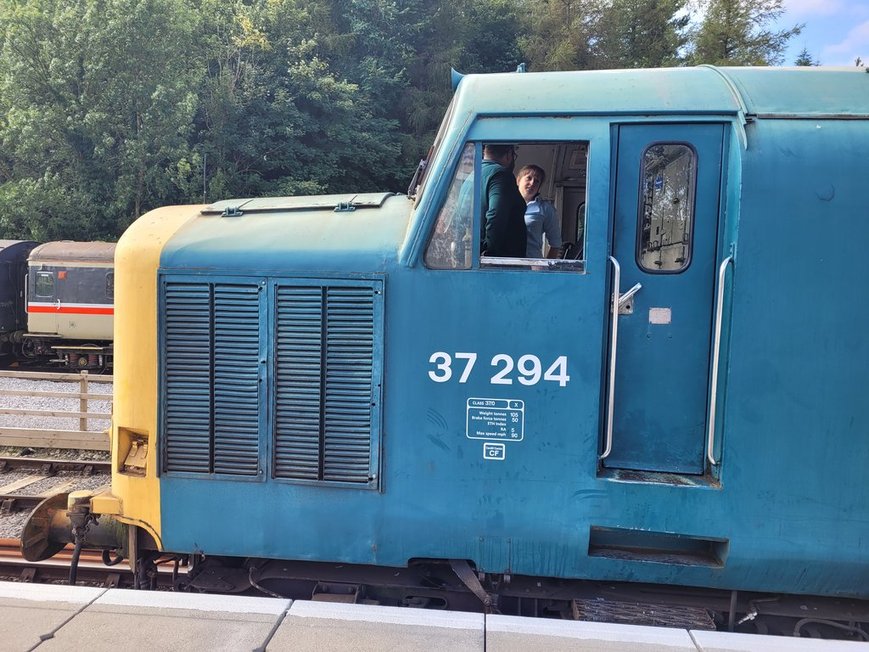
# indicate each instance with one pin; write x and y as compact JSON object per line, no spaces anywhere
{"x":502,"y":227}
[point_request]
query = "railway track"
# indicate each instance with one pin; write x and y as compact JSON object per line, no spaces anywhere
{"x":92,"y":569}
{"x":51,"y":467}
{"x":61,"y":475}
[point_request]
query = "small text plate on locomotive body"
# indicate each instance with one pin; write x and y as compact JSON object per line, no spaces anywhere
{"x":502,"y":419}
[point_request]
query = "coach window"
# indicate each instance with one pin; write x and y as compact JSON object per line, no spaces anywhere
{"x":669,"y":176}
{"x":44,"y":284}
{"x":110,"y":285}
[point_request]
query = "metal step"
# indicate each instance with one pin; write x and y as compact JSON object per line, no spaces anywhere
{"x":337,"y":592}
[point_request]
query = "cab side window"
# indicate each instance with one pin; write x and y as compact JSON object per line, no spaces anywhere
{"x":110,"y":285}
{"x":526,"y":211}
{"x":551,"y":178}
{"x":452,"y":240}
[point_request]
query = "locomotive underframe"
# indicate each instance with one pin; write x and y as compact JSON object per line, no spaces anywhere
{"x":435,"y":584}
{"x":445,"y":584}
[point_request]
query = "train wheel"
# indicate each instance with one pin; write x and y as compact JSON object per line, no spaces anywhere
{"x":28,"y":349}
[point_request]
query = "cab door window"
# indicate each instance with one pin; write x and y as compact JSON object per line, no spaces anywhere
{"x":667,"y":207}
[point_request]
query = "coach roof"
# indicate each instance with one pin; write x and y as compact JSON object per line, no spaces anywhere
{"x":67,"y":251}
{"x":787,"y":92}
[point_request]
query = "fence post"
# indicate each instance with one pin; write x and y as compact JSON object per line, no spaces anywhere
{"x":83,"y":401}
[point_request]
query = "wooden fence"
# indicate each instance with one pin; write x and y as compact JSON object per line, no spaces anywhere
{"x":56,"y":438}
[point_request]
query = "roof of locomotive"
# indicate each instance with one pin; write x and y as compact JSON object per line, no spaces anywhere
{"x":804,"y":91}
{"x":67,"y":251}
{"x":323,"y":231}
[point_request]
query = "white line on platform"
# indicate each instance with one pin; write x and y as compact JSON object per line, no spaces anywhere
{"x":49,"y":592}
{"x":195,"y":601}
{"x":389,"y":615}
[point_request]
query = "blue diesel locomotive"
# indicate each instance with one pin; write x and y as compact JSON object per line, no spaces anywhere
{"x":344,"y":383}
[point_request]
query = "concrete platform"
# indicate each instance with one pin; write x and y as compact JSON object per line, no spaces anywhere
{"x":49,"y":617}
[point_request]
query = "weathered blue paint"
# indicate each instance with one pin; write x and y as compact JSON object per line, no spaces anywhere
{"x":789,"y":500}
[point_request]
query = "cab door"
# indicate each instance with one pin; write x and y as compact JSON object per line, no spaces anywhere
{"x":666,"y":215}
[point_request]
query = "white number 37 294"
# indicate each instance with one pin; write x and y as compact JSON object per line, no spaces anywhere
{"x":527,"y":370}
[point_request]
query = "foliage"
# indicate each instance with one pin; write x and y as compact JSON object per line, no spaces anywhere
{"x":643,"y":33}
{"x":274,"y":116}
{"x":805,"y":58}
{"x":109,"y":108}
{"x":98,"y":100}
{"x":563,"y":35}
{"x":739,"y":33}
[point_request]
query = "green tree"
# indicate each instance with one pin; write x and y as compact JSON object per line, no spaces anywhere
{"x":98,"y":97}
{"x":643,"y":33}
{"x":479,"y":37}
{"x":564,"y":35}
{"x":276,"y":115}
{"x":741,"y":33}
{"x":804,"y":58}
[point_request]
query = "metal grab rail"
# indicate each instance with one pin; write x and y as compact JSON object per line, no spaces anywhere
{"x":716,"y":348}
{"x":614,"y":334}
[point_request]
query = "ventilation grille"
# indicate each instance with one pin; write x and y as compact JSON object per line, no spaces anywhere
{"x":323,"y":421}
{"x":211,"y":369}
{"x":187,"y":373}
{"x":236,"y":379}
{"x":321,"y":346}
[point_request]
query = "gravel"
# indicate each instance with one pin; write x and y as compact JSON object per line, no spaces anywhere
{"x":55,"y":483}
{"x":59,"y":404}
{"x":55,"y":453}
{"x":11,"y":524}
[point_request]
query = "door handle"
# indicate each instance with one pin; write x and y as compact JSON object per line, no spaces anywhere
{"x":57,"y":304}
{"x":625,"y":307}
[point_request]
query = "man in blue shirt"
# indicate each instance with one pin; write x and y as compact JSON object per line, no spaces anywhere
{"x":540,"y":214}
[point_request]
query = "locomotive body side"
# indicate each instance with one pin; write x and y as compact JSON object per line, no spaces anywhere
{"x":319,"y":379}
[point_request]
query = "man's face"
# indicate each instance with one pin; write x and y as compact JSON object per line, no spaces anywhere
{"x":529,"y":184}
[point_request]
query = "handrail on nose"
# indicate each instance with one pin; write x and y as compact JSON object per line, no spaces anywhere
{"x":716,"y":349}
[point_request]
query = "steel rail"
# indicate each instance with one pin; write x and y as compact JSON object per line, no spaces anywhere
{"x":51,"y":467}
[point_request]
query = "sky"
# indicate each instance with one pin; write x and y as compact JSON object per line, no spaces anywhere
{"x":836,"y":32}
